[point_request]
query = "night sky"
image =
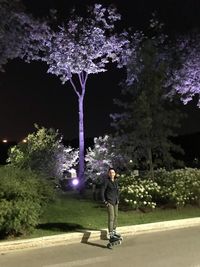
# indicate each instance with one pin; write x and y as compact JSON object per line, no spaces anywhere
{"x":29,"y":95}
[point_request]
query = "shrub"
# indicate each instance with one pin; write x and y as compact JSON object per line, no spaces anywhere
{"x":179,"y":187}
{"x":138,"y":193}
{"x":172,"y":188}
{"x":23,"y":196}
{"x":43,"y":153}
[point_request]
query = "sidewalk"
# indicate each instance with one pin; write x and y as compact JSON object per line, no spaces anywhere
{"x":87,"y":235}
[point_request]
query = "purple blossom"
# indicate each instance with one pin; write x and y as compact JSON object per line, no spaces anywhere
{"x":186,"y":78}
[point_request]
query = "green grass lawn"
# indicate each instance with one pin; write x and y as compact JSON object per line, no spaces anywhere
{"x":69,"y":212}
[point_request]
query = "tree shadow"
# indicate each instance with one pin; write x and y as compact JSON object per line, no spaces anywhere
{"x":63,"y":227}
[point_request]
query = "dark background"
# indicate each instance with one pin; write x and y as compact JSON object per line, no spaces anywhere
{"x":29,"y":95}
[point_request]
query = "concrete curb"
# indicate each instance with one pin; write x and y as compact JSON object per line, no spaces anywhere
{"x":85,"y":236}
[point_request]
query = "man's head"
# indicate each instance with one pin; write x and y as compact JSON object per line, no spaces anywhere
{"x":111,"y":173}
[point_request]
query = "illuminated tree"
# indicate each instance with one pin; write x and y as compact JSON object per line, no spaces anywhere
{"x":72,"y":51}
{"x":103,"y":155}
{"x":78,"y":48}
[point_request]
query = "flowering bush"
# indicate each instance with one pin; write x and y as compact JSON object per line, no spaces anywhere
{"x":179,"y":187}
{"x":175,"y":188}
{"x":138,"y":193}
{"x":103,"y":155}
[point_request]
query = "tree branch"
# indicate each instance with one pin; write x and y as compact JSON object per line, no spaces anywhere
{"x":74,"y":87}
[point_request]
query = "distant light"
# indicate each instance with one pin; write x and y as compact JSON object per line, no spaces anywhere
{"x":24,"y":141}
{"x":4,"y":140}
{"x":75,"y":182}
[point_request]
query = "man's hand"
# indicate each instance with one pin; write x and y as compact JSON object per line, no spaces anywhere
{"x":106,"y":203}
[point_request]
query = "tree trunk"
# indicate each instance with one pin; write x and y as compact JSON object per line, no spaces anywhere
{"x":81,"y":167}
{"x":80,"y":94}
{"x":151,"y":169}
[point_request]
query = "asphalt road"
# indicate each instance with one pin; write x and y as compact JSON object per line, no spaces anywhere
{"x":172,"y":248}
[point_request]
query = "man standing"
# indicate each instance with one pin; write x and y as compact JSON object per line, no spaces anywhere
{"x":110,"y":197}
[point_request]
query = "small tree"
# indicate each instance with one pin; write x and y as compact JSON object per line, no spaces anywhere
{"x":43,"y":153}
{"x":103,"y":155}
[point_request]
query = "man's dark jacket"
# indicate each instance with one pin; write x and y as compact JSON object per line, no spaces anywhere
{"x":110,"y":191}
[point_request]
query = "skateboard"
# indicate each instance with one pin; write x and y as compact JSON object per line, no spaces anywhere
{"x":114,"y":242}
